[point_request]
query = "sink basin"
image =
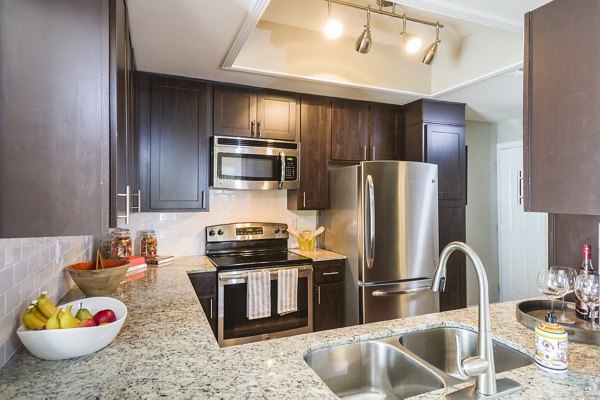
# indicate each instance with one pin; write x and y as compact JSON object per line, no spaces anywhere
{"x":372,"y":370}
{"x":437,"y":347}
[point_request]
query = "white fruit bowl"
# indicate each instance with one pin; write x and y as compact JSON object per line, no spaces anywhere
{"x":60,"y":344}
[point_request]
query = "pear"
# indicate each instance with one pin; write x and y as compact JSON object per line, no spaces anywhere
{"x":83,"y":313}
{"x":68,"y":320}
{"x":53,"y":322}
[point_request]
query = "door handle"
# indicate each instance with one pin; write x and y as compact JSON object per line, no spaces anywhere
{"x":364,"y":152}
{"x":282,"y":177}
{"x":303,"y":199}
{"x":330,"y":273}
{"x":520,"y":196}
{"x":258,"y":129}
{"x":203,"y":199}
{"x":381,"y":293}
{"x":319,"y":295}
{"x":127,"y":196}
{"x":252,"y":128}
{"x":211,"y":308}
{"x":372,"y":152}
{"x":369,"y":236}
{"x":138,"y":208}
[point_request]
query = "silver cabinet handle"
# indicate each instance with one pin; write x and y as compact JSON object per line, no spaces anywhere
{"x":282,"y":177}
{"x":364,"y":152}
{"x":304,"y":199}
{"x":520,"y":196}
{"x":258,"y":129}
{"x":330,"y":273}
{"x":138,"y":208}
{"x":252,"y":128}
{"x":319,"y":295}
{"x":369,"y":235}
{"x":203,"y":200}
{"x":381,"y":293}
{"x":211,"y":308}
{"x":372,"y":152}
{"x":127,"y":196}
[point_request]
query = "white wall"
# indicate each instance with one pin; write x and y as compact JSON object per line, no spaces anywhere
{"x":481,"y":210}
{"x":510,"y":130}
{"x":27,"y":268}
{"x":183,"y":233}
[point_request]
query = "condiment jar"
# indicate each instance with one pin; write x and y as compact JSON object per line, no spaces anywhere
{"x":148,"y":244}
{"x":121,"y":243}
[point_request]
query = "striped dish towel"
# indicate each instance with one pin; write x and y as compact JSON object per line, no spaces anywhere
{"x":258,"y":295}
{"x":287,"y":291}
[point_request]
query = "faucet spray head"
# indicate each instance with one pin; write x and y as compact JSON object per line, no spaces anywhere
{"x":439,"y":285}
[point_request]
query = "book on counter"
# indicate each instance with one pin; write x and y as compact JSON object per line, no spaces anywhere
{"x":160,"y":260}
{"x":138,"y":264}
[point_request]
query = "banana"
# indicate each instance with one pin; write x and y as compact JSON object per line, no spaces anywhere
{"x":45,"y":305}
{"x":31,"y":320}
{"x":53,"y":321}
{"x":37,"y":312}
{"x":68,"y":320}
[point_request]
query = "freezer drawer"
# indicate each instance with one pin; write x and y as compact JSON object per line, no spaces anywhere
{"x":398,"y":300}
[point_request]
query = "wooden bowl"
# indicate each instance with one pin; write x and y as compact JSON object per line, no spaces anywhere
{"x":97,"y":282}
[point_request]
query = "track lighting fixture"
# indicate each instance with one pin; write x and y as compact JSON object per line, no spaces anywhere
{"x":333,"y":28}
{"x":431,"y":50}
{"x":363,"y":43}
{"x":411,"y":42}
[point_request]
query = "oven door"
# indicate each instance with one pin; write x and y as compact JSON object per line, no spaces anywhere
{"x":254,"y":164}
{"x":235,"y":328}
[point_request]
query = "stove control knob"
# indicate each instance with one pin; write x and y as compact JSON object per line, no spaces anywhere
{"x":211,"y":232}
{"x":276,"y":230}
{"x":283,"y":229}
{"x":220,"y":232}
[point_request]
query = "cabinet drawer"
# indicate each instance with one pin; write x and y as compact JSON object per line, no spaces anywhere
{"x":329,"y":272}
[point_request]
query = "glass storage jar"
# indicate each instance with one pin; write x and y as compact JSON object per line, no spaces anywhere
{"x":149,"y":244}
{"x":121,"y":243}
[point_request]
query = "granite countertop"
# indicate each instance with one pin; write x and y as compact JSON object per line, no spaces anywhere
{"x":166,"y":348}
{"x":319,"y":254}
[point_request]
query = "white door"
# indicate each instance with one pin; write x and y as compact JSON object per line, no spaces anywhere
{"x":523,"y":237}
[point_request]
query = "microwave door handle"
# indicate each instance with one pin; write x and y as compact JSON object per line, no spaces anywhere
{"x":282,"y":172}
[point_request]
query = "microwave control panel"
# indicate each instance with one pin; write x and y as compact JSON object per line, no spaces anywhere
{"x":291,"y":168}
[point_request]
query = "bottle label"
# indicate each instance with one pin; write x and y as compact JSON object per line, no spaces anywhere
{"x":551,"y":348}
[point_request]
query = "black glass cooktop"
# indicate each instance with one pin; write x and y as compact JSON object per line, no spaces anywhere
{"x":258,"y":260}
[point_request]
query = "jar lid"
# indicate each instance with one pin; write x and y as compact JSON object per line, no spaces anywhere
{"x":121,"y":231}
{"x":148,"y":232}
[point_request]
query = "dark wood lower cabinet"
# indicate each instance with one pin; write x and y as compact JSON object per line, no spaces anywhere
{"x":452,"y":228}
{"x":205,"y":286}
{"x":328,"y":301}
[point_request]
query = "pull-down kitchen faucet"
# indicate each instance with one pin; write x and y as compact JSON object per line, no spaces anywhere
{"x":480,"y":366}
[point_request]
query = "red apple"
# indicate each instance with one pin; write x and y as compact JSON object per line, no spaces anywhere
{"x":105,"y":317}
{"x":88,"y":322}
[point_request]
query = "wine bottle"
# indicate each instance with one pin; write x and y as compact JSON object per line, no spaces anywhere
{"x":582,"y":309}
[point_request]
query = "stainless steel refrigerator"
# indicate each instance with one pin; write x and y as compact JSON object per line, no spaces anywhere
{"x":383,"y":215}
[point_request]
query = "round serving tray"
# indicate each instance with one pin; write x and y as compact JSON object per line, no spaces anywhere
{"x":532,"y":312}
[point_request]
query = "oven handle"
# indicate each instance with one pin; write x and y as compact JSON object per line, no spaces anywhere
{"x":237,"y":277}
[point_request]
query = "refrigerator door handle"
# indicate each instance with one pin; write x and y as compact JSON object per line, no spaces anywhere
{"x":370,"y":237}
{"x":380,"y":293}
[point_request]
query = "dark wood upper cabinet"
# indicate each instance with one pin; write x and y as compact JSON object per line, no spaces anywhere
{"x":174,"y":142}
{"x":384,"y":133}
{"x":349,"y":130}
{"x":241,"y":111}
{"x":315,"y":131}
{"x":55,"y":117}
{"x":562,"y":108}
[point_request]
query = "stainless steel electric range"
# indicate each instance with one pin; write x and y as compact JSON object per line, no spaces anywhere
{"x":236,"y":249}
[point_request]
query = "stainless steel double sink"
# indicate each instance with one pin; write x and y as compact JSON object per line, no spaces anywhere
{"x":402,"y":366}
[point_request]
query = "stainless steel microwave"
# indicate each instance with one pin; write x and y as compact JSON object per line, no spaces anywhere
{"x":254,"y":164}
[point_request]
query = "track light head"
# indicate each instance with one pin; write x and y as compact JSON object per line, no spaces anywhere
{"x":431,"y":51}
{"x":364,"y":41}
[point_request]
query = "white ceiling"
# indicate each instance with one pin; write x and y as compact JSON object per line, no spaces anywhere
{"x":193,"y":38}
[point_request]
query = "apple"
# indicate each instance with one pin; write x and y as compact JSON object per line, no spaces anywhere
{"x":88,"y":322}
{"x":105,"y":317}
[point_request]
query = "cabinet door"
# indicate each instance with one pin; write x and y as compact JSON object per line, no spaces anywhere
{"x":349,"y":131}
{"x":315,"y":127}
{"x":234,"y":111}
{"x":445,"y":146}
{"x":179,"y":144}
{"x":452,"y":228}
{"x":385,"y":123}
{"x":562,"y":108}
{"x":205,"y":286}
{"x":328,"y":306}
{"x":276,"y":116}
{"x":54,"y":118}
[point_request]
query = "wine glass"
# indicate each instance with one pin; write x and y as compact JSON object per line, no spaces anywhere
{"x":587,"y":289}
{"x":571,"y":275}
{"x":554,"y":284}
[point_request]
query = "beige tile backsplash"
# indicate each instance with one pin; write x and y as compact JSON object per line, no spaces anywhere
{"x":28,"y":267}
